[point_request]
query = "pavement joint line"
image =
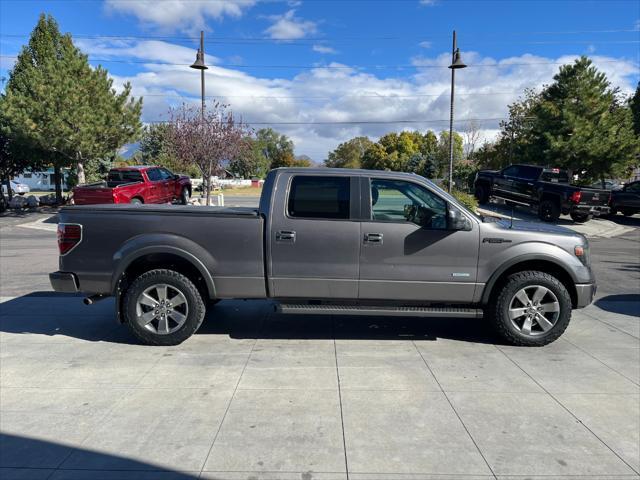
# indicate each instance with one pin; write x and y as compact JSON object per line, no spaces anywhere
{"x":600,"y":361}
{"x":226,"y":411}
{"x":568,"y":411}
{"x":335,"y":353}
{"x":424,"y":360}
{"x":612,"y":326}
{"x":40,"y":225}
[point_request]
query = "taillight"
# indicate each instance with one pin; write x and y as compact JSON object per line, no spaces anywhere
{"x":576,"y":196}
{"x":69,"y":235}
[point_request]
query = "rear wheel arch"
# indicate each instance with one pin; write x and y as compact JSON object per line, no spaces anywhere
{"x":175,"y":259}
{"x":533,"y":263}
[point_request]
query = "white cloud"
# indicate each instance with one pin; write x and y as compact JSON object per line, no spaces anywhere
{"x":183,"y":15}
{"x":425,"y":44}
{"x":428,"y":2}
{"x":290,"y":27}
{"x":347,"y":94}
{"x":324,"y":49}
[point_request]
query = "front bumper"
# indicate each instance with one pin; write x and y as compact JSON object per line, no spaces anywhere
{"x":585,"y":293}
{"x":64,"y":282}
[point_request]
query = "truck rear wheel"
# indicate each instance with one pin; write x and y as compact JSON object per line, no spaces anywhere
{"x":163,"y":307}
{"x":548,"y":211}
{"x":136,"y":201}
{"x":532,"y":309}
{"x":580,"y":217}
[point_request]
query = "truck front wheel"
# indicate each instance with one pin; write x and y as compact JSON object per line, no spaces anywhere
{"x":163,"y":307}
{"x":184,"y":196}
{"x":482,"y":193}
{"x":532,"y":309}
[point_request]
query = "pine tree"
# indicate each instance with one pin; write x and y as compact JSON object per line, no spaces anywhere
{"x":582,"y":124}
{"x":59,"y":105}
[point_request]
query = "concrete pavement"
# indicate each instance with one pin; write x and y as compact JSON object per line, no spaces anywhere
{"x":255,"y":394}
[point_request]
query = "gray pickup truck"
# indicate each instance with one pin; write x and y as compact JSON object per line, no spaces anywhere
{"x":326,"y":241}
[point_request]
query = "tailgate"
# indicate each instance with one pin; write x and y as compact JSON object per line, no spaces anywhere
{"x":92,"y":195}
{"x":594,"y":197}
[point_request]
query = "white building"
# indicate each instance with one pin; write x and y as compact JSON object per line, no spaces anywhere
{"x":42,"y":180}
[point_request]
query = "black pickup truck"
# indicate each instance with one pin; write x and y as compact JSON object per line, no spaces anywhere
{"x":545,"y":189}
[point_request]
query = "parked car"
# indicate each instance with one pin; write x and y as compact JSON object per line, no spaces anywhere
{"x":16,"y":187}
{"x":626,"y":200}
{"x":545,"y":189}
{"x":608,"y":185}
{"x":326,"y":241}
{"x":137,"y":185}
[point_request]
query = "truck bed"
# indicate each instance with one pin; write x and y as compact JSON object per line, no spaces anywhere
{"x":228,"y":243}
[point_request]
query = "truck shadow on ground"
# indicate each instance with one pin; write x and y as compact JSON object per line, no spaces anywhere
{"x":50,"y":314}
{"x":30,"y":458}
{"x":626,"y":304}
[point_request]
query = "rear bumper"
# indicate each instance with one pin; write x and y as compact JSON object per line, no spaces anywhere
{"x":595,"y":210}
{"x":585,"y":293}
{"x":64,"y":282}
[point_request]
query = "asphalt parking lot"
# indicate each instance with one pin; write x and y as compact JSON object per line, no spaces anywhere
{"x":255,"y":394}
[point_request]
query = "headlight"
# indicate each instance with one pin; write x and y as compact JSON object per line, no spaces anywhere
{"x":582,"y":252}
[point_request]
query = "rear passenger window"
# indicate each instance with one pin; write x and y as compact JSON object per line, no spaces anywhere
{"x":319,"y":197}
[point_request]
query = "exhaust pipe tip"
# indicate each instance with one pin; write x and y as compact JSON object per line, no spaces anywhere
{"x":92,"y":299}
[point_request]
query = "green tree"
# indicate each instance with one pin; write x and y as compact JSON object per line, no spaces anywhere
{"x":634,"y":104}
{"x":582,"y":124}
{"x":377,"y":158}
{"x":155,"y":150}
{"x":275,"y":147}
{"x":442,"y":153}
{"x":349,"y":154}
{"x":61,"y":106}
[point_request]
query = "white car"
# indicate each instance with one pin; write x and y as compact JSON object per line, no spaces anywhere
{"x":19,"y":188}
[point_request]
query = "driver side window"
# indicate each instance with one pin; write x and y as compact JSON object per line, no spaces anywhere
{"x":400,"y":201}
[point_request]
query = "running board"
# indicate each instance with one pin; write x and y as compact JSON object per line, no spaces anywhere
{"x":439,"y":312}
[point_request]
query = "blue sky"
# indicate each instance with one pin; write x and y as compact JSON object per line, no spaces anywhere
{"x":304,"y":65}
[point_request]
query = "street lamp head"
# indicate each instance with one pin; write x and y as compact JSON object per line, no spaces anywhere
{"x":457,"y":61}
{"x":199,"y":63}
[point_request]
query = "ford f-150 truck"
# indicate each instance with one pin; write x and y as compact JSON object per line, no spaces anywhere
{"x":137,"y":185}
{"x":546,"y":189}
{"x":326,"y":241}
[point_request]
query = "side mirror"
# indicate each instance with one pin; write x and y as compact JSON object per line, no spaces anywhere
{"x":176,"y":176}
{"x":456,"y":220}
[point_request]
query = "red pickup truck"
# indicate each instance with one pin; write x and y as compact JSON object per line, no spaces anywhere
{"x":140,"y":184}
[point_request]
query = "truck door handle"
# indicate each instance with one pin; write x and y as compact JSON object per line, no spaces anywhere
{"x":375,"y":238}
{"x":286,"y":236}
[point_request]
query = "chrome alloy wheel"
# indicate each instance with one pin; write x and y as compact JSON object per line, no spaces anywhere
{"x":161,"y":309}
{"x":534,"y":310}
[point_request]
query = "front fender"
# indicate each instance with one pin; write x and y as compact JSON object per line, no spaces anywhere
{"x":542,"y":252}
{"x":146,"y":244}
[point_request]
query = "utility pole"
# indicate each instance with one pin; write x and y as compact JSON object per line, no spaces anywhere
{"x":456,"y":63}
{"x":200,"y":65}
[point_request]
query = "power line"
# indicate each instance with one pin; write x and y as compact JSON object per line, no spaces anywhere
{"x":215,"y":38}
{"x":357,"y":122}
{"x":335,"y":97}
{"x":328,"y":67}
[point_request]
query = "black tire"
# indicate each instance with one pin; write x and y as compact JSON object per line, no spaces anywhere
{"x":136,"y":201}
{"x":580,"y":217}
{"x":498,"y":311}
{"x":194,"y":314}
{"x":482,"y":194}
{"x":627,"y":212}
{"x":184,"y":196}
{"x":548,"y":211}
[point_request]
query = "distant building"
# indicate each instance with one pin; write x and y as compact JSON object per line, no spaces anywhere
{"x":42,"y":180}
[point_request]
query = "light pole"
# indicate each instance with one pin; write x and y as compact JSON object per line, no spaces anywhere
{"x":200,"y":65}
{"x":456,"y":63}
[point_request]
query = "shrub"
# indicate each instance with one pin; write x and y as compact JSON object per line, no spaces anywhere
{"x":466,"y":199}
